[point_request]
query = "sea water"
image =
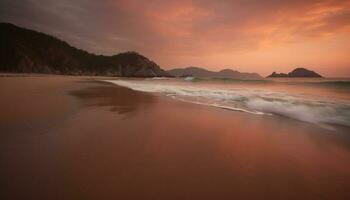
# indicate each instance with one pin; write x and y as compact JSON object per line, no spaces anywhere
{"x":321,"y":101}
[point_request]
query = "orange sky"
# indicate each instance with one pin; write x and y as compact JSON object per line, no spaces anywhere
{"x":246,"y":35}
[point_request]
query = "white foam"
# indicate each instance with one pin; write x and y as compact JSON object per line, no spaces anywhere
{"x":160,"y":78}
{"x":306,"y":109}
{"x":189,"y":78}
{"x":318,"y":114}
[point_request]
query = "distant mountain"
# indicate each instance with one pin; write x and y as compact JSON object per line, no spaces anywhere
{"x":27,"y":51}
{"x":298,"y":72}
{"x":203,"y":73}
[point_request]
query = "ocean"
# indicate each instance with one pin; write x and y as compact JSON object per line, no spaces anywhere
{"x":321,"y":101}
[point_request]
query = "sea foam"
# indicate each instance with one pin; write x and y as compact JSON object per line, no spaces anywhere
{"x":303,"y":108}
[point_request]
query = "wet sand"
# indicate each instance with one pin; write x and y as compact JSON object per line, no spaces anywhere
{"x":78,"y":138}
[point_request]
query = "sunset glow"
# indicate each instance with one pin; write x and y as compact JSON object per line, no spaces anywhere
{"x":175,"y":99}
{"x":250,"y":36}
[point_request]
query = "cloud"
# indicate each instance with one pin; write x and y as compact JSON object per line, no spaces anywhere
{"x":180,"y":32}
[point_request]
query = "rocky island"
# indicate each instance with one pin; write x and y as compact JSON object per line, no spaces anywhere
{"x":296,"y":73}
{"x":27,"y":51}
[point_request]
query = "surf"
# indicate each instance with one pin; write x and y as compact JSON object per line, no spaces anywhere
{"x":311,"y":109}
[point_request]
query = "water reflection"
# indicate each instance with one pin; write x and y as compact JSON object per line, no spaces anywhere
{"x":121,"y":100}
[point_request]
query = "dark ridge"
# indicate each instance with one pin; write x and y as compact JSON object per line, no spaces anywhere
{"x":203,"y":73}
{"x":27,"y":51}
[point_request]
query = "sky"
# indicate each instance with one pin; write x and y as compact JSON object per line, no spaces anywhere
{"x":244,"y":35}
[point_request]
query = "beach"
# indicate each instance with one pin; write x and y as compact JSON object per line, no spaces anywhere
{"x":71,"y":137}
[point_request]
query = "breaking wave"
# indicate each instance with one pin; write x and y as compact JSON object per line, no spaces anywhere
{"x":303,"y":108}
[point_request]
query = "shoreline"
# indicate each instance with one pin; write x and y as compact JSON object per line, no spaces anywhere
{"x":69,"y":137}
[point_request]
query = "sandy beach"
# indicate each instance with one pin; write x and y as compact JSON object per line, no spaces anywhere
{"x":69,"y":137}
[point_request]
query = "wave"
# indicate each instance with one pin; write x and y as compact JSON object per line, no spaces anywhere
{"x":160,"y":78}
{"x":227,"y":80}
{"x":189,"y":78}
{"x":336,"y":84}
{"x":303,"y":108}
